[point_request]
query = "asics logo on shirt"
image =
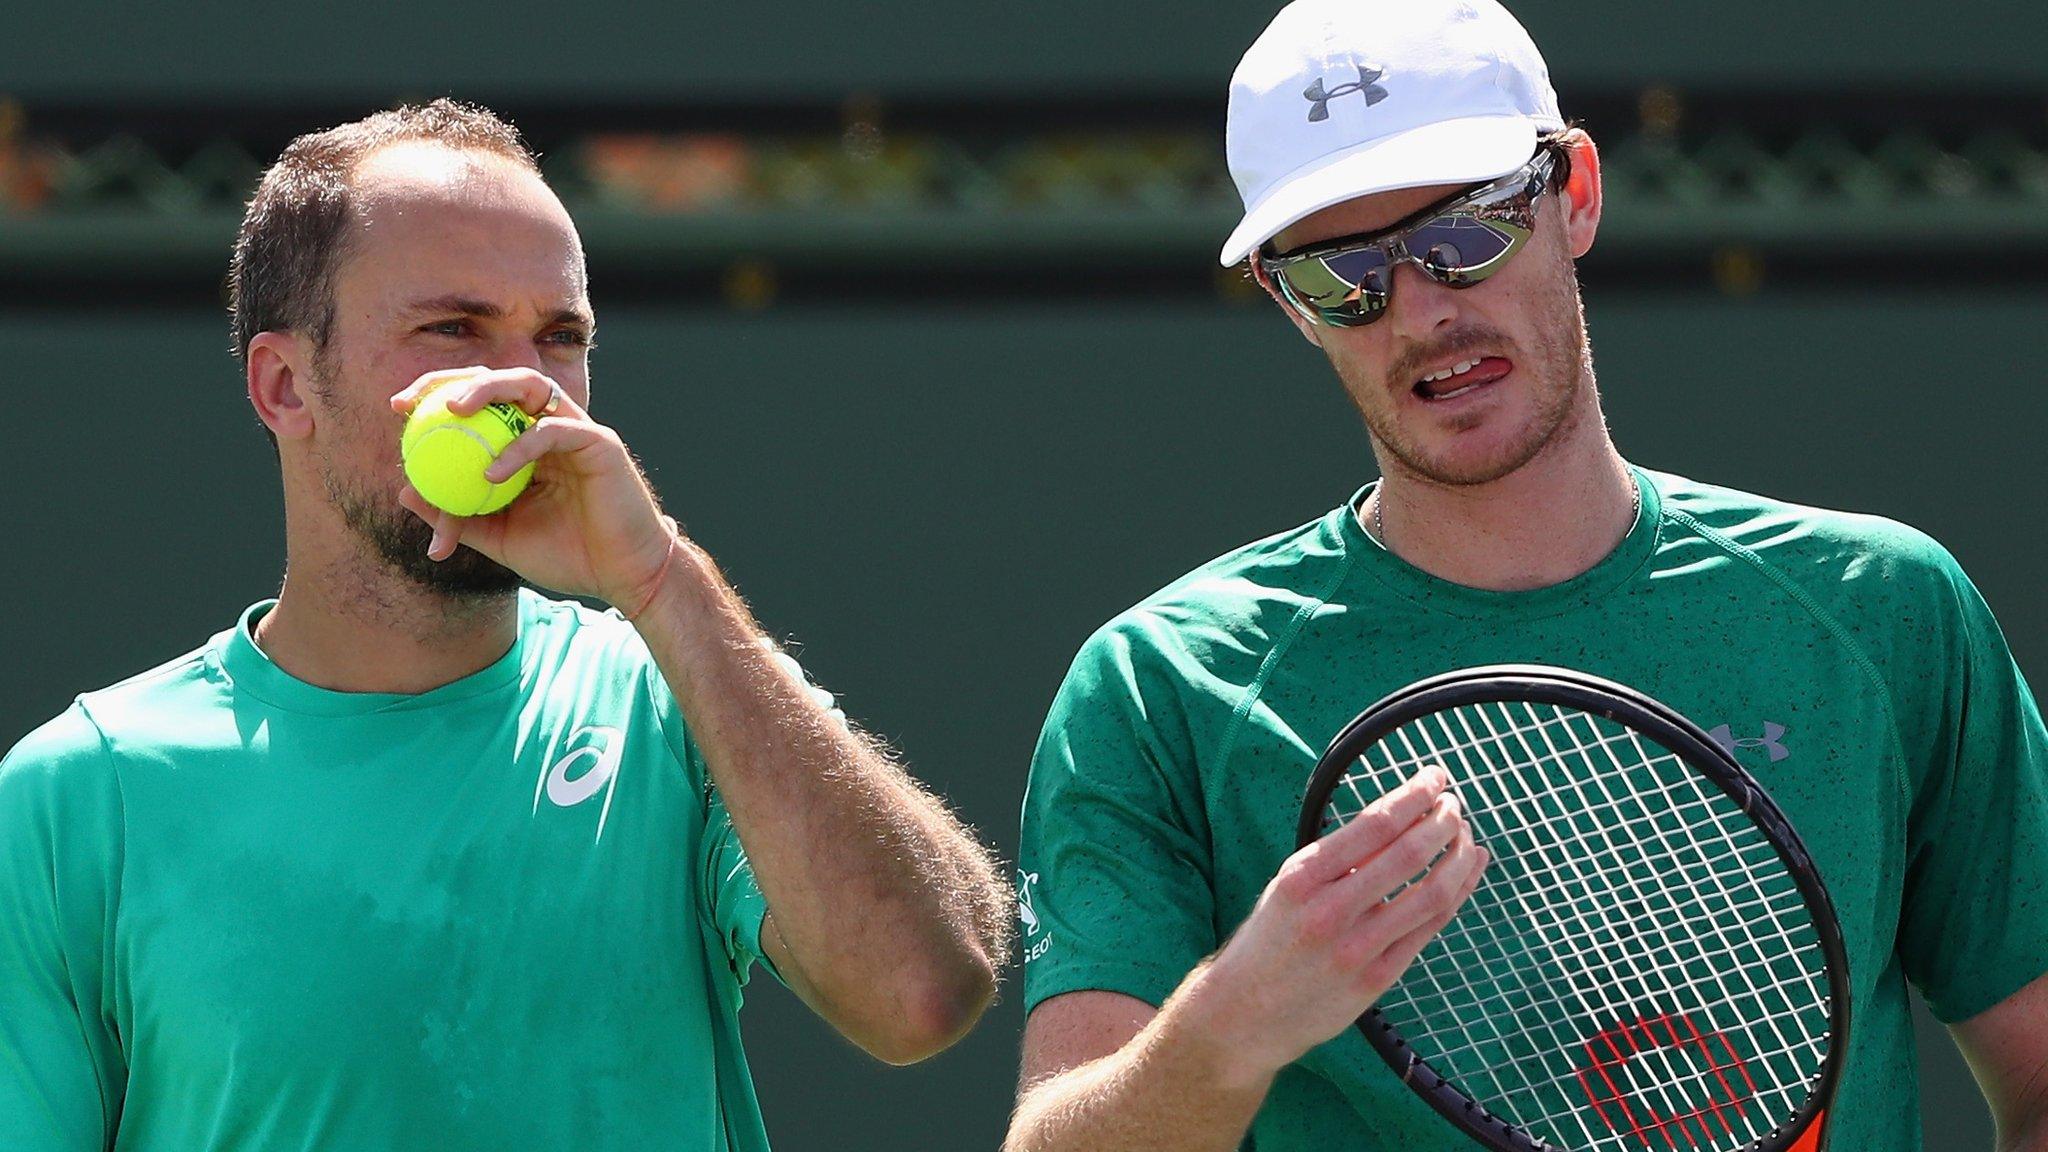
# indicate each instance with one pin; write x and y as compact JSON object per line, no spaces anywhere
{"x":590,"y":765}
{"x":1769,"y":740}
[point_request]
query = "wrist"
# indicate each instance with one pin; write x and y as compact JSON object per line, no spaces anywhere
{"x":1205,"y":1023}
{"x":690,"y":611}
{"x":658,"y":592}
{"x":639,"y":595}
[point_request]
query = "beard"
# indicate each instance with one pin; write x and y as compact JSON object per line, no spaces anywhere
{"x":1558,"y":366}
{"x":400,"y":539}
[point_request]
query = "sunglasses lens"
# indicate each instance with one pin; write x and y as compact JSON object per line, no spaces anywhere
{"x":1461,"y":250}
{"x":1344,"y":289}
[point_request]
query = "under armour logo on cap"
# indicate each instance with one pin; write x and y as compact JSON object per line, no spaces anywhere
{"x":1769,"y":740}
{"x":1319,"y":97}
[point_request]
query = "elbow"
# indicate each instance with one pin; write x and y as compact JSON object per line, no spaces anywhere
{"x":934,"y":1010}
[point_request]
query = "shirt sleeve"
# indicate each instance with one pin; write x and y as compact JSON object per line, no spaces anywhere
{"x":1975,"y":923}
{"x":1114,"y":886}
{"x":730,"y":899}
{"x":62,"y":1072}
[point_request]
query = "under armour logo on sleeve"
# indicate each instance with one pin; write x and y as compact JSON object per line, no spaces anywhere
{"x":1769,"y":740}
{"x":1319,"y":97}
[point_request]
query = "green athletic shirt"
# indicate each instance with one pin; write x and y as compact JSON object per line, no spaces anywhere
{"x":1848,"y":661}
{"x":241,"y":912}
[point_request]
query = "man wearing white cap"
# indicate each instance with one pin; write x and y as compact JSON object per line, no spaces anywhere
{"x":1415,"y":203}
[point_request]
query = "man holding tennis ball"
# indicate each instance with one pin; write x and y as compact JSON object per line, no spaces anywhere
{"x":447,"y":455}
{"x":1414,"y":205}
{"x":411,"y":856}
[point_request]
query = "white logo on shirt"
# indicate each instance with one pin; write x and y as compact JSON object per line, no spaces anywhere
{"x":567,"y":787}
{"x":1027,"y":912}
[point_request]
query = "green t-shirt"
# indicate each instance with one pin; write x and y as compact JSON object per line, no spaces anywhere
{"x":241,"y":912}
{"x":1846,"y":660}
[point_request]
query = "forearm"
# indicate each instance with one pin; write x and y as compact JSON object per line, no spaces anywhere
{"x":881,"y":898}
{"x":1177,"y":1086}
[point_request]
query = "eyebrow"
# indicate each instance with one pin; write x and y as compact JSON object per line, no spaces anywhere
{"x":486,"y":310}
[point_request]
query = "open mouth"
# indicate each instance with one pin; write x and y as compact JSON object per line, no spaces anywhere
{"x":1465,"y":376}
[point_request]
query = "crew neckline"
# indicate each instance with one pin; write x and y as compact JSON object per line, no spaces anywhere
{"x":1440,"y":595}
{"x":252,"y":671}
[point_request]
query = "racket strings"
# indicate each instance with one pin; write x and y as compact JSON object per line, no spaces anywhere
{"x":1805,"y":953}
{"x":1762,"y":902}
{"x":1740,"y":828}
{"x":1636,"y":968}
{"x":1671,"y":1079}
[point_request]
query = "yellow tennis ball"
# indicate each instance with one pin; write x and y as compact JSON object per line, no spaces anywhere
{"x":445,"y":455}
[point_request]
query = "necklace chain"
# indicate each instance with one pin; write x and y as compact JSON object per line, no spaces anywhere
{"x":1379,"y":523}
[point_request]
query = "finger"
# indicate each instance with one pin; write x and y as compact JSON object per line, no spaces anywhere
{"x":1386,"y":967}
{"x":526,"y":389}
{"x":410,"y":499}
{"x":446,"y":525}
{"x":408,"y":397}
{"x":1405,"y":858}
{"x":1435,"y":897}
{"x":552,"y":435}
{"x":1481,"y":858}
{"x":447,"y":535}
{"x":1377,"y":825}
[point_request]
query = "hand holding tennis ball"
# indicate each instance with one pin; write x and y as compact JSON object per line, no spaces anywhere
{"x":445,"y":455}
{"x":591,"y":526}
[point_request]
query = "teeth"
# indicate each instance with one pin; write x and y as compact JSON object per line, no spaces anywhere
{"x":1458,"y":369}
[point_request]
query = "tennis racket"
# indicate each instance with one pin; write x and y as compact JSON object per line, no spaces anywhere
{"x":1650,"y":960}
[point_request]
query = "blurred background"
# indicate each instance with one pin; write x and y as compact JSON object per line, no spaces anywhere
{"x":912,"y":311}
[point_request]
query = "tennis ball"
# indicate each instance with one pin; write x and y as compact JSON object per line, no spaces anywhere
{"x":445,"y":455}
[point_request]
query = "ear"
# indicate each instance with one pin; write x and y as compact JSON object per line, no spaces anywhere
{"x":279,"y":380}
{"x":1309,"y":332}
{"x":1582,"y":192}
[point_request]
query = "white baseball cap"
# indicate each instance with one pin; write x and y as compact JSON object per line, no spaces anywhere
{"x":1344,"y":98}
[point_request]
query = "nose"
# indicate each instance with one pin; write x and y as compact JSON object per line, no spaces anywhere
{"x":1420,"y":305}
{"x":519,"y":352}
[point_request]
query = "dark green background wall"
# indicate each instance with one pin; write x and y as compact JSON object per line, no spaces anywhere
{"x":641,"y":49}
{"x":940,"y":504}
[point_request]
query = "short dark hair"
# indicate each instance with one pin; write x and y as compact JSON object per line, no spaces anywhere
{"x":1559,"y":145}
{"x":295,"y":232}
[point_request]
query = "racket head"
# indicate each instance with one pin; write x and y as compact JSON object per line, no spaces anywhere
{"x":1560,"y":688}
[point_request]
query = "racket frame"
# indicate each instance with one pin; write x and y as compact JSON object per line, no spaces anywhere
{"x":1564,"y":687}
